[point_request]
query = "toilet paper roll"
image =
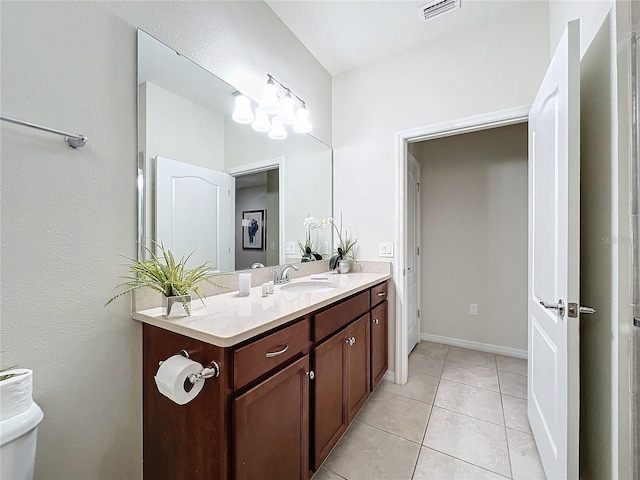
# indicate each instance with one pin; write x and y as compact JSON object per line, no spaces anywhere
{"x":171,"y":376}
{"x":16,"y":393}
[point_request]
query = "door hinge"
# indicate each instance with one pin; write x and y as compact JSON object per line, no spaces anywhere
{"x":418,"y":251}
{"x":418,"y":313}
{"x":418,"y":185}
{"x":228,"y":192}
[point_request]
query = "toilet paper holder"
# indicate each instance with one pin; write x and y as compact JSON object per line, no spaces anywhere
{"x":212,"y":370}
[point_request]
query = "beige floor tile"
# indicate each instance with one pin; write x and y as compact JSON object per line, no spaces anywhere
{"x":473,"y":401}
{"x":473,"y":357}
{"x":525,"y":460}
{"x":324,"y":474}
{"x":425,"y":365}
{"x":475,"y":441}
{"x":512,"y":384}
{"x":471,"y":375}
{"x":419,"y":387}
{"x":434,"y":465}
{"x":367,"y":453}
{"x":512,"y":364}
{"x":396,"y":414}
{"x":431,"y":349}
{"x":515,"y":413}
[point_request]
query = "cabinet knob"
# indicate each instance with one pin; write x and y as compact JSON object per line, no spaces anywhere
{"x":350,"y":341}
{"x":311,"y":375}
{"x":376,"y":321}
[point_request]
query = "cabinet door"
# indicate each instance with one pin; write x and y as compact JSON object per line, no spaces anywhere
{"x":330,"y":415}
{"x":357,"y":365}
{"x":271,"y":426}
{"x":379,"y":326}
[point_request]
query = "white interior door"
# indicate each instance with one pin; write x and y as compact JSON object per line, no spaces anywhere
{"x":413,"y":244}
{"x":194,"y":212}
{"x":554,"y":260}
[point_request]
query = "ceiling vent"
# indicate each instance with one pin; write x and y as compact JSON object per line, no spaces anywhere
{"x":437,"y":7}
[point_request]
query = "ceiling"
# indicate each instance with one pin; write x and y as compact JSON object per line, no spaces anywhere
{"x":346,"y":34}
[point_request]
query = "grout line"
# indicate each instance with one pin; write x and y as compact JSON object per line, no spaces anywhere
{"x":385,"y":431}
{"x":506,"y":438}
{"x":474,"y":386}
{"x":464,"y":461}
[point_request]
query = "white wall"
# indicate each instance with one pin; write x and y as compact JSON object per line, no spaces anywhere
{"x":491,"y":67}
{"x":605,"y":263}
{"x":474,"y":236}
{"x":67,"y":214}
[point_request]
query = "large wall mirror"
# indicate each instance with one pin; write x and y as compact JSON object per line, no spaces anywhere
{"x":208,"y":185}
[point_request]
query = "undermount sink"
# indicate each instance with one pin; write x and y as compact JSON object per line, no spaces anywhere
{"x":309,"y":286}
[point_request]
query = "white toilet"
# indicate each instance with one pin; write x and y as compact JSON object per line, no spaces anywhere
{"x":18,"y":436}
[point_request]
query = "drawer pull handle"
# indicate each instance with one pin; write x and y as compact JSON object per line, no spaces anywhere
{"x":279,"y":352}
{"x":376,"y":321}
{"x":382,"y":294}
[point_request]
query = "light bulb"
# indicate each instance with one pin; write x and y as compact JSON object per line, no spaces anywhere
{"x":242,"y":112}
{"x":270,"y":103}
{"x":287,"y":113}
{"x":302,"y":125}
{"x":261,"y":123}
{"x":277,"y":131}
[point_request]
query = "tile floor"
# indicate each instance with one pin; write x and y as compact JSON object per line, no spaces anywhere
{"x":462,"y":415}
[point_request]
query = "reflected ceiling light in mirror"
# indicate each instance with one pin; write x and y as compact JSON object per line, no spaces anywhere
{"x":277,"y":131}
{"x":242,"y":113}
{"x":301,"y":124}
{"x":287,"y":114}
{"x":270,"y":103}
{"x":281,"y":105}
{"x":262,"y":122}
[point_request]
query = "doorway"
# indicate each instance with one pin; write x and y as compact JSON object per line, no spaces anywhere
{"x":403,"y":139}
{"x":259,"y":193}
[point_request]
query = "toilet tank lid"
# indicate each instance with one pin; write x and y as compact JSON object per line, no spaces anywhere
{"x":18,"y":425}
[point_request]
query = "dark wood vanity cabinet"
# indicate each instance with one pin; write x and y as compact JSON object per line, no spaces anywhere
{"x":379,"y":345}
{"x":282,"y":401}
{"x":271,"y":426}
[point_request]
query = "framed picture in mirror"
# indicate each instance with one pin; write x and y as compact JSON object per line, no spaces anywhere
{"x":253,"y":229}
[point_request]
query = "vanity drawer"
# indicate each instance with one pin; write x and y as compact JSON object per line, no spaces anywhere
{"x":338,"y":316}
{"x":379,"y":293}
{"x":257,"y":358}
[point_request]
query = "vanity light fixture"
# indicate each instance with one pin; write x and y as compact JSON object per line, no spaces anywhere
{"x":277,"y":108}
{"x":242,"y":113}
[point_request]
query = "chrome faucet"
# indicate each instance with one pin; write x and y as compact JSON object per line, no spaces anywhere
{"x":257,"y":265}
{"x":282,"y":276}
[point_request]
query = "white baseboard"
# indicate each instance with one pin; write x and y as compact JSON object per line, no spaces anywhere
{"x":483,"y":347}
{"x":389,"y":376}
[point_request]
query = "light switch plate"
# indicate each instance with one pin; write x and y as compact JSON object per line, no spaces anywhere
{"x":289,"y":247}
{"x":385,"y":249}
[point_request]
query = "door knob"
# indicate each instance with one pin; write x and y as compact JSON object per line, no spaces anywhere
{"x":555,"y":306}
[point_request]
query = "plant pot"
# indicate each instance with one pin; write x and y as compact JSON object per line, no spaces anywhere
{"x":174,"y":307}
{"x":343,"y":266}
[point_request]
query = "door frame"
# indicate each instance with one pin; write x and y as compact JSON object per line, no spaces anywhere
{"x":264,"y":166}
{"x":485,"y":121}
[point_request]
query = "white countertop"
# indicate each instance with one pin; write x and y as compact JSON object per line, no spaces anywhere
{"x":228,"y":319}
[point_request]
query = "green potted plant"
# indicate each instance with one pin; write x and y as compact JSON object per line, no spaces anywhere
{"x":169,"y":277}
{"x":345,"y":250}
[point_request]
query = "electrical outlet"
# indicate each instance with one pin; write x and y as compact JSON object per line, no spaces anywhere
{"x":289,"y":247}
{"x":324,"y":249}
{"x":473,"y":309}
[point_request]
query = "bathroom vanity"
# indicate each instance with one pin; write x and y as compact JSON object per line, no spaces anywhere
{"x":295,"y":369}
